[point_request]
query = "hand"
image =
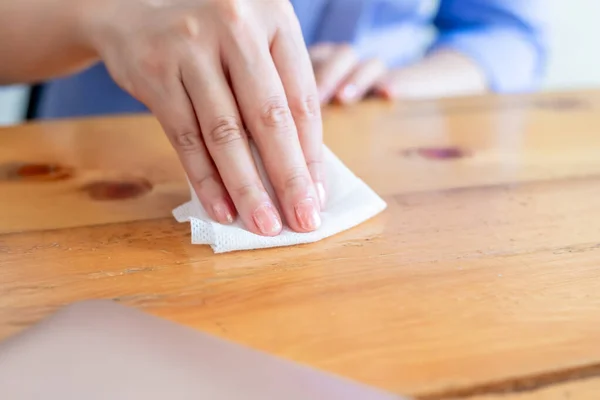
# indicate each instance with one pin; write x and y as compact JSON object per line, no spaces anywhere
{"x":202,"y":67}
{"x":341,"y":75}
{"x":442,"y":73}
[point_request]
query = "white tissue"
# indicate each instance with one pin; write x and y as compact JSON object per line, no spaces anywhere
{"x":349,"y":203}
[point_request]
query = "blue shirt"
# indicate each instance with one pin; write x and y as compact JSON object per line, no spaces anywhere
{"x":505,"y":37}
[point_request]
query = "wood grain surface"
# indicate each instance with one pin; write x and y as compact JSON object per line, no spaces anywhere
{"x":584,"y":389}
{"x":481,"y":280}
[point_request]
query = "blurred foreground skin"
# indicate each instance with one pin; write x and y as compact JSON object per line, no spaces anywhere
{"x":101,"y":350}
{"x":201,"y":67}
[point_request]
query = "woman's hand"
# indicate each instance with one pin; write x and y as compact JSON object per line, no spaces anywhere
{"x":212,"y":71}
{"x":341,"y":75}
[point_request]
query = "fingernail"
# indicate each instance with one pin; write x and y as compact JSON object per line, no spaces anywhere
{"x":349,"y":92}
{"x":266,"y":220}
{"x":307,"y":214}
{"x":322,"y":195}
{"x":384,"y":92}
{"x":222,"y":213}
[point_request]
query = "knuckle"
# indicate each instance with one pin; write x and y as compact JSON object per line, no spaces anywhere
{"x":247,"y":190}
{"x":207,"y":183}
{"x":276,"y":113}
{"x":307,"y":108}
{"x":226,"y":130}
{"x":231,"y":11}
{"x":187,"y":140}
{"x":188,"y":27}
{"x":296,"y":178}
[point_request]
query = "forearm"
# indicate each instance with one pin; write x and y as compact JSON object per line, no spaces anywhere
{"x":442,"y":73}
{"x":41,"y":39}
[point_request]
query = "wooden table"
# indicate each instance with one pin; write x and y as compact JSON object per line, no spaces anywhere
{"x":481,"y":280}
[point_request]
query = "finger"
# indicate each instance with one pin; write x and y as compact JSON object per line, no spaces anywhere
{"x":385,"y":87}
{"x":178,"y":119}
{"x":320,"y":53}
{"x":333,"y":72}
{"x":293,"y":65}
{"x":360,"y":81}
{"x":228,"y":145}
{"x":265,"y":110}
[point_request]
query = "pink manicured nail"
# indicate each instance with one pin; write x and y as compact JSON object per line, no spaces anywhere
{"x":307,"y":214}
{"x":223,"y":213}
{"x":349,"y":92}
{"x":266,"y":220}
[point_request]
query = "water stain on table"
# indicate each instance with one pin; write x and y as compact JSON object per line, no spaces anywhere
{"x":117,"y":190}
{"x":561,"y":104}
{"x":436,"y":153}
{"x":34,"y":172}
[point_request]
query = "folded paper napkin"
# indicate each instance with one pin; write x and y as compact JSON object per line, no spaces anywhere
{"x":349,"y":202}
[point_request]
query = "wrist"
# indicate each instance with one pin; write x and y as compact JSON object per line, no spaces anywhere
{"x":91,"y":17}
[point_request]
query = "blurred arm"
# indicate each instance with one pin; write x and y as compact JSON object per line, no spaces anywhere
{"x":40,"y":39}
{"x":504,"y":38}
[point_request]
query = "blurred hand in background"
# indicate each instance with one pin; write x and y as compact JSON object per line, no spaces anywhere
{"x":344,"y":78}
{"x":363,"y":47}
